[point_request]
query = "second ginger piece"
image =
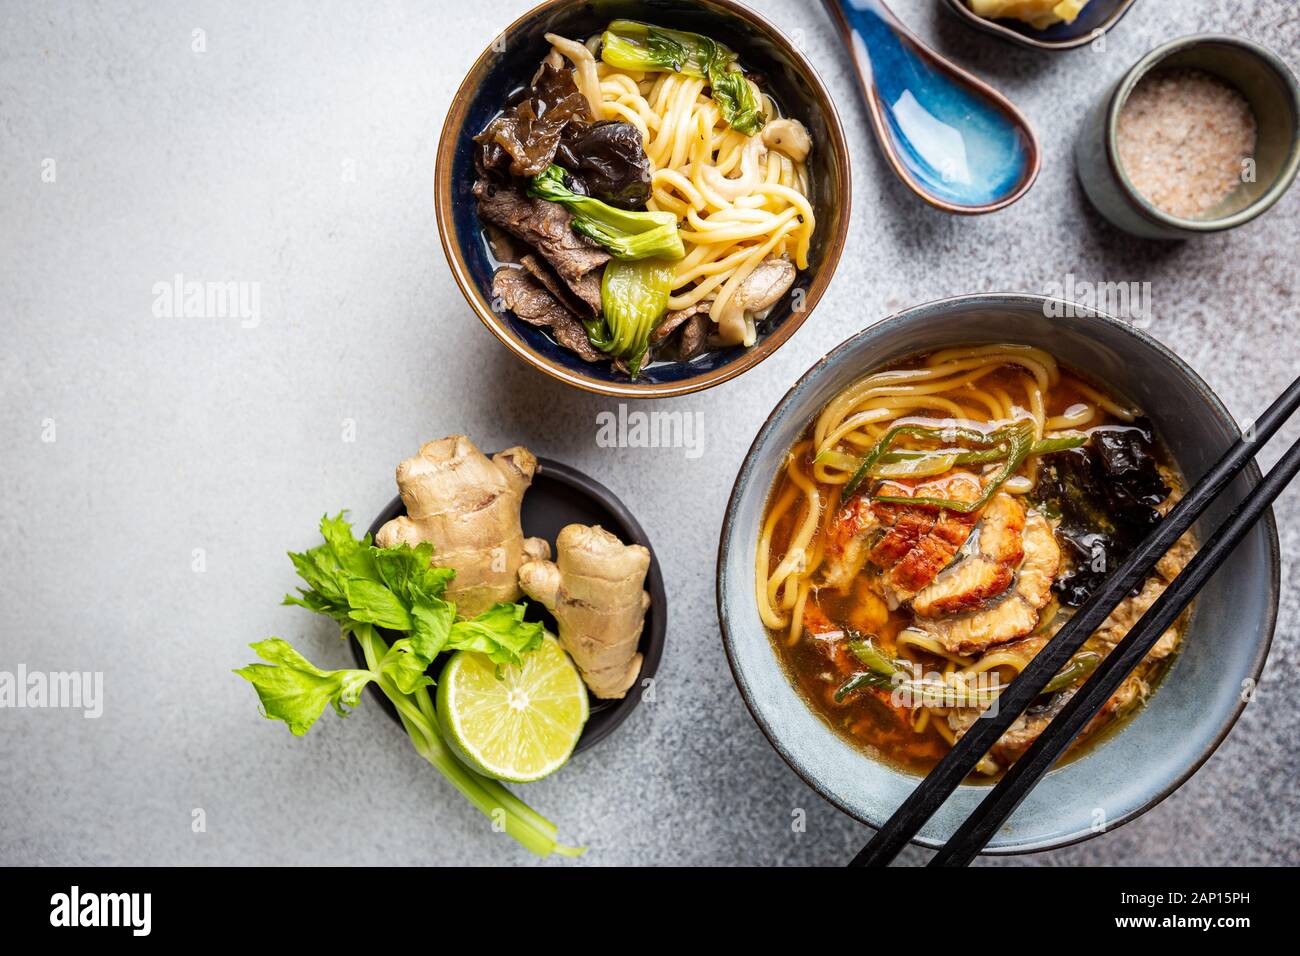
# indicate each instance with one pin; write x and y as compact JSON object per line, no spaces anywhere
{"x":595,"y":589}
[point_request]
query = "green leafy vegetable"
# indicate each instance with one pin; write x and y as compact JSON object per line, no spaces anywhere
{"x":631,"y":45}
{"x":373,"y":603}
{"x":399,"y":589}
{"x":363,"y":588}
{"x":294,"y":690}
{"x":500,"y":632}
{"x":633,"y":301}
{"x":736,"y":99}
{"x":406,"y":666}
{"x":623,"y":233}
{"x":431,"y":623}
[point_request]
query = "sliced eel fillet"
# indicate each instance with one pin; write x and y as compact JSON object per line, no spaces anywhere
{"x":922,"y":540}
{"x":1016,"y":614}
{"x":986,"y":571}
{"x":847,"y":536}
{"x":912,"y":543}
{"x":1027,"y":727}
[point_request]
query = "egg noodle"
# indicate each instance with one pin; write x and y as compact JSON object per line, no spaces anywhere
{"x":740,"y":199}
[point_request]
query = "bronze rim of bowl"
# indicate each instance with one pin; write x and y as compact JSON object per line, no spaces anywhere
{"x":453,"y":127}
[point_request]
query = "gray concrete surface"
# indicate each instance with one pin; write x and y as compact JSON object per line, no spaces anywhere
{"x":296,"y":151}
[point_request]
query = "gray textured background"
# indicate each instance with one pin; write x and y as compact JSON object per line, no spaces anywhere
{"x":176,"y":434}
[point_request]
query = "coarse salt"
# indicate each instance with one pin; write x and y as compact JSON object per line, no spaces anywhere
{"x":1185,"y":138}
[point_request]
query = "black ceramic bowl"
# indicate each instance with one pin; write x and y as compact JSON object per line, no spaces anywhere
{"x":559,"y":496}
{"x":509,"y":61}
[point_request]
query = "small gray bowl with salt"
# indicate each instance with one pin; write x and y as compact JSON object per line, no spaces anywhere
{"x":1201,"y":135}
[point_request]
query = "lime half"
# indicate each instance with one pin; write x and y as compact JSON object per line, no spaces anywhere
{"x":518,"y":727}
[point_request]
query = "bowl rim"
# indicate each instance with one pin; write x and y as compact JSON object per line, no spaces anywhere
{"x":1152,"y":61}
{"x":1003,"y":300}
{"x":653,"y":638}
{"x":998,"y":29}
{"x":452,"y":127}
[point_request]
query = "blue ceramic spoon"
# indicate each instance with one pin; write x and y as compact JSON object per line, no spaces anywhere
{"x":954,"y":140}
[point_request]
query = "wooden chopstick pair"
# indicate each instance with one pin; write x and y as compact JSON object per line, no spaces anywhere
{"x":967,"y":841}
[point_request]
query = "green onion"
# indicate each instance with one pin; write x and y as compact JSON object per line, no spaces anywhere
{"x":914,"y":463}
{"x":859,"y":681}
{"x":925,"y":464}
{"x":1019,"y":438}
{"x":1081,"y":665}
{"x":872,"y":657}
{"x":880,"y":669}
{"x":947,"y":435}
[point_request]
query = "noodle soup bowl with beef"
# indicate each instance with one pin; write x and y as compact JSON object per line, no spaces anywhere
{"x":922,"y":512}
{"x":761,"y":215}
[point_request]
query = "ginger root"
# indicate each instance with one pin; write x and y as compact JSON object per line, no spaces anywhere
{"x":595,"y":590}
{"x":467,"y":507}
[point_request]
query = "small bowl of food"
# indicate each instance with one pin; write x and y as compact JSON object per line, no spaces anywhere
{"x":642,"y":199}
{"x":1043,"y":24}
{"x":1201,"y":135}
{"x":926,"y":508}
{"x":618,"y":647}
{"x":499,"y":656}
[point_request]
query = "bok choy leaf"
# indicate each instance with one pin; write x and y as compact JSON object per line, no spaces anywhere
{"x":631,"y":45}
{"x":633,"y":300}
{"x":624,"y":234}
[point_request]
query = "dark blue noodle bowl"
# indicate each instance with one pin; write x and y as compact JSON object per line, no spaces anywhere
{"x":511,"y":60}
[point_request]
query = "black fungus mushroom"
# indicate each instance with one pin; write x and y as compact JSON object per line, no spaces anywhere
{"x":1105,"y":494}
{"x":607,"y":160}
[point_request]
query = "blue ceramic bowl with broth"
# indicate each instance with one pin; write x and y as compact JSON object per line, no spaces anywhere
{"x":1200,"y":697}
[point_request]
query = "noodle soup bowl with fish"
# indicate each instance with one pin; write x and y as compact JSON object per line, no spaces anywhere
{"x":507,"y":65}
{"x":1124,"y":771}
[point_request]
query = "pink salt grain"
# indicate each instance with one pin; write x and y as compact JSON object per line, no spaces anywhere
{"x":1184,"y":139}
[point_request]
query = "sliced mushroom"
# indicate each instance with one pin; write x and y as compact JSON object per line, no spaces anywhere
{"x":753,"y":299}
{"x":788,"y":136}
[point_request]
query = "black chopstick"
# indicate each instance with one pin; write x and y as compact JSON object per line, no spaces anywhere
{"x":1002,"y":800}
{"x":957,"y":764}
